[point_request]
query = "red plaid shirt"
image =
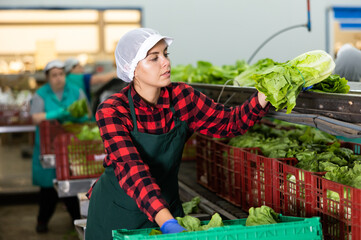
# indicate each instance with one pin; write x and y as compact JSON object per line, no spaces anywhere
{"x":200,"y":113}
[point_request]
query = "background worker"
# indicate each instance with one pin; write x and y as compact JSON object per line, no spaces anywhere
{"x":144,"y":128}
{"x":348,"y":63}
{"x":75,"y":75}
{"x":50,"y":103}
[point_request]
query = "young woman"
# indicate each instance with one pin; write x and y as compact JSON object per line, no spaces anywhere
{"x":49,"y":103}
{"x":144,"y":128}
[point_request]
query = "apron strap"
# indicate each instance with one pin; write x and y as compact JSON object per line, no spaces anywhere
{"x":175,"y":119}
{"x":132,"y":111}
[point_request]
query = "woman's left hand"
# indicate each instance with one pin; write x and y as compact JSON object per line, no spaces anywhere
{"x":262,"y":99}
{"x":172,"y":226}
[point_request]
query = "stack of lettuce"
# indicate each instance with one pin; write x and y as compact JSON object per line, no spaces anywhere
{"x":282,"y":82}
{"x":315,"y":150}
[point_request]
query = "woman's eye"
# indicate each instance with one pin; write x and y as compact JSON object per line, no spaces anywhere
{"x":166,"y":55}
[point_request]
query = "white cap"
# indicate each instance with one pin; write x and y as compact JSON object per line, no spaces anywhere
{"x":53,"y":64}
{"x":133,"y":47}
{"x":70,"y":63}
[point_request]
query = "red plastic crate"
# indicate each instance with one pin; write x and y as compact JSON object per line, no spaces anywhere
{"x":219,"y":168}
{"x":355,"y":147}
{"x":266,"y":181}
{"x":292,"y":189}
{"x":307,"y":194}
{"x":77,"y":159}
{"x":14,"y":115}
{"x":238,"y":175}
{"x":205,"y":162}
{"x":228,"y":161}
{"x":256,"y":173}
{"x":341,"y":218}
{"x":50,"y":129}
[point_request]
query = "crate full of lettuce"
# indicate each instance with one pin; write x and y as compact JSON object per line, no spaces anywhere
{"x":81,"y":155}
{"x":263,"y":223}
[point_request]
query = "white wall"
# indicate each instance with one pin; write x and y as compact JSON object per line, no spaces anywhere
{"x":222,"y":31}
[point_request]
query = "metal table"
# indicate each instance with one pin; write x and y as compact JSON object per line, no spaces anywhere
{"x":17,"y":128}
{"x":80,"y":227}
{"x":337,"y":114}
{"x":71,"y":188}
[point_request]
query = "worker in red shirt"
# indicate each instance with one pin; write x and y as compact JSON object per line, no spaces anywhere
{"x":144,"y":128}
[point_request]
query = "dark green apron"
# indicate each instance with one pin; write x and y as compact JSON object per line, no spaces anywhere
{"x":110,"y":208}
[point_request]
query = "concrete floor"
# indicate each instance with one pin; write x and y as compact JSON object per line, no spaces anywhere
{"x":18,"y":221}
{"x":18,"y":199}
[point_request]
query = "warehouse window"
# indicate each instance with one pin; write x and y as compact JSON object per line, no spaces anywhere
{"x":343,"y":25}
{"x":113,"y":30}
{"x":49,"y":34}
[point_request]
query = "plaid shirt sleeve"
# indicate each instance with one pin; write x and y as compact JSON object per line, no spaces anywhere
{"x":213,"y":119}
{"x":132,"y":173}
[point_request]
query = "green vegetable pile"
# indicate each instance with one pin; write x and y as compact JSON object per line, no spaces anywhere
{"x":89,"y":133}
{"x":79,"y":164}
{"x":194,"y":224}
{"x":206,"y":72}
{"x":245,"y":79}
{"x":78,"y":150}
{"x":315,"y":150}
{"x":333,"y":84}
{"x":282,"y":83}
{"x":78,"y":108}
{"x":261,"y":216}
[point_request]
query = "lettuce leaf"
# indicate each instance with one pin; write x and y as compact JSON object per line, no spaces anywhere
{"x":190,"y":223}
{"x":261,"y":216}
{"x":333,"y":84}
{"x":206,"y":72}
{"x":78,"y":108}
{"x":89,"y":133}
{"x":245,"y":78}
{"x":282,"y":83}
{"x":191,"y":206}
{"x":194,"y":224}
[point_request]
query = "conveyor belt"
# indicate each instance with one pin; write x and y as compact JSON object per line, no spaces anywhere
{"x":210,"y":202}
{"x":337,"y":114}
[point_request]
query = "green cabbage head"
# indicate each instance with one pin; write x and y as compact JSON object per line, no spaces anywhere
{"x":283,"y":82}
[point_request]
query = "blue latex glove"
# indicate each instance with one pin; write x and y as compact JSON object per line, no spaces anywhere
{"x":172,"y":226}
{"x":59,"y":114}
{"x":306,"y":88}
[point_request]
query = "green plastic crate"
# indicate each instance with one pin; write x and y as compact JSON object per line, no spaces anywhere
{"x":290,"y":228}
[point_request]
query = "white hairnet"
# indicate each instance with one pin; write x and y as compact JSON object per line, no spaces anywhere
{"x":133,"y":47}
{"x":70,"y":63}
{"x":53,"y":64}
{"x":343,"y":48}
